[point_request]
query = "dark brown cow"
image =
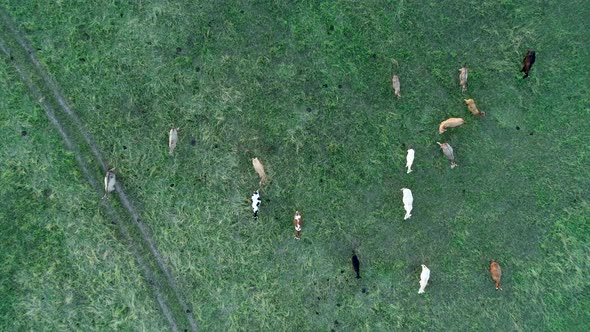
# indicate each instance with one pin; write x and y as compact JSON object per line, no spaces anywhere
{"x":527,"y":63}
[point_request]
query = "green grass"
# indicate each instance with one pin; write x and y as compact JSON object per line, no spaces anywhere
{"x":238,"y":80}
{"x":62,"y":265}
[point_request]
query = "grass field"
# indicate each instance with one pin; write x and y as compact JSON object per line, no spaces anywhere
{"x":305,"y":87}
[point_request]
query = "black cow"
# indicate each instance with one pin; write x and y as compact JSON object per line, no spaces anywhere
{"x":356,"y":265}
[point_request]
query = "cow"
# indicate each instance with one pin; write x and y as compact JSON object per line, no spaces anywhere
{"x":172,"y":140}
{"x":527,"y":63}
{"x":450,"y":123}
{"x":396,"y":86}
{"x":472,"y":108}
{"x":297,"y":222}
{"x":356,"y":265}
{"x":260,"y":170}
{"x":447,"y":150}
{"x":496,"y":273}
{"x":463,"y":73}
{"x":110,"y":180}
{"x":408,"y":200}
{"x":256,"y":200}
{"x":410,"y":159}
{"x":424,"y":276}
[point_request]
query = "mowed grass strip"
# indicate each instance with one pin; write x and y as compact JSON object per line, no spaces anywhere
{"x":306,"y":88}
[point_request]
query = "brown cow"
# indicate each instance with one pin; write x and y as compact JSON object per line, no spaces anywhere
{"x":496,"y":273}
{"x":472,"y":108}
{"x":527,"y":63}
{"x":450,"y":123}
{"x":297,"y":222}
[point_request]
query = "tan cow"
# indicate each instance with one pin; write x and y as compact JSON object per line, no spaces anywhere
{"x":450,"y":123}
{"x":472,"y":108}
{"x":260,"y":170}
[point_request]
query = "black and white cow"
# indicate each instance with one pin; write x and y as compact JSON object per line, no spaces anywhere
{"x":256,"y":204}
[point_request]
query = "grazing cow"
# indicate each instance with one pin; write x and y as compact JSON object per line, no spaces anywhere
{"x":424,"y":276}
{"x":463,"y":73}
{"x":496,"y":273}
{"x":298,"y":222}
{"x":472,"y":108}
{"x":447,"y":150}
{"x":172,"y":140}
{"x":260,"y":170}
{"x":110,"y":179}
{"x":356,"y":265}
{"x":527,"y":63}
{"x":410,"y":159}
{"x":450,"y":123}
{"x":256,"y":204}
{"x":396,"y":86}
{"x":408,"y":200}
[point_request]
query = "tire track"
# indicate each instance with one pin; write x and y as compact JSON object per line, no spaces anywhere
{"x":49,"y":84}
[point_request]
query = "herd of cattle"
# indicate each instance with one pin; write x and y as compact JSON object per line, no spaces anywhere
{"x":407,"y":198}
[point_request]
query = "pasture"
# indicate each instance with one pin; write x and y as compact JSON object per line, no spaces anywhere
{"x":305,"y":87}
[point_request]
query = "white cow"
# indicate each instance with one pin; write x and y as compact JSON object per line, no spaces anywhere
{"x":110,"y":180}
{"x":172,"y":140}
{"x":410,"y":159}
{"x":408,"y":199}
{"x":424,"y":276}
